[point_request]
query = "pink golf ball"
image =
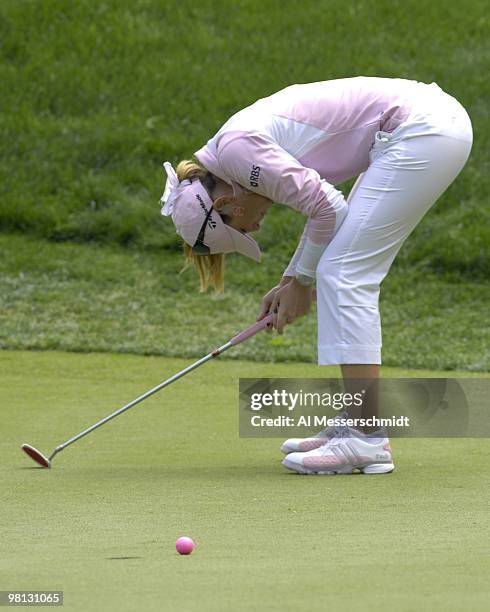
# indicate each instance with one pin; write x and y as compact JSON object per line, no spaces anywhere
{"x":184,"y":545}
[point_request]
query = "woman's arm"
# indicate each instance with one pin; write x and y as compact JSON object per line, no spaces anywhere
{"x":291,"y":269}
{"x":262,"y":166}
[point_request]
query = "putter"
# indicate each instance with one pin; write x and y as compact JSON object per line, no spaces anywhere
{"x":45,"y":462}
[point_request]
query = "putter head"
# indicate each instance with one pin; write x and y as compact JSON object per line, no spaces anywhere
{"x":36,"y":455}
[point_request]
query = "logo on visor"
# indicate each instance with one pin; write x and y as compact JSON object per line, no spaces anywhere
{"x":211,"y":224}
{"x":201,"y":202}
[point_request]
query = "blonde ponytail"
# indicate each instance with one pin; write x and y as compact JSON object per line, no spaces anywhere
{"x":209,"y":267}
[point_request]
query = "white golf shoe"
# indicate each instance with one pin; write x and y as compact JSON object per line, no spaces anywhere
{"x":344,"y":454}
{"x":303,"y":445}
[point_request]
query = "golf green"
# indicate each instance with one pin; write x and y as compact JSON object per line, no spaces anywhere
{"x":102,"y":523}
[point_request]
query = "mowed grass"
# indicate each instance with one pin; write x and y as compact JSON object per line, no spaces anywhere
{"x":101,"y":525}
{"x":102,"y":298}
{"x":96,"y":95}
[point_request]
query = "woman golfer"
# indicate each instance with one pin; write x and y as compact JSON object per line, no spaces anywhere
{"x":405,"y":140}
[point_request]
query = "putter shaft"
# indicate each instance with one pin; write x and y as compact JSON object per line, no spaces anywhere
{"x":139,"y":399}
{"x":244,"y":335}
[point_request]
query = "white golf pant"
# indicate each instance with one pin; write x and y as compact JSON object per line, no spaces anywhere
{"x":409,"y":170}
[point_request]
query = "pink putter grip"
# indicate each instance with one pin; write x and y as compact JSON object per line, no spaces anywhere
{"x":252,"y":330}
{"x":259,"y":326}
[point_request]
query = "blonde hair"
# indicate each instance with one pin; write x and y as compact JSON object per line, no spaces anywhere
{"x":209,"y":267}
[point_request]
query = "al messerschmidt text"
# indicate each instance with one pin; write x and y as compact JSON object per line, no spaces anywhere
{"x":324,"y":421}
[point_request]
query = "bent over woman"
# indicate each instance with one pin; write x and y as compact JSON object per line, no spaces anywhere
{"x":406,"y":142}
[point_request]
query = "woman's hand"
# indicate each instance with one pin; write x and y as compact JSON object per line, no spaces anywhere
{"x":289,"y":302}
{"x":268,"y":298}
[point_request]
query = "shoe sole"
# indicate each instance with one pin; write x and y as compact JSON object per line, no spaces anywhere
{"x":372,"y":468}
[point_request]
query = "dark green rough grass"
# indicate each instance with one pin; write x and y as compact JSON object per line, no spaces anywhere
{"x":95,"y":95}
{"x":101,"y":298}
{"x":266,"y":539}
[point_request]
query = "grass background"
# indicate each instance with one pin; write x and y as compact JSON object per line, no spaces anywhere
{"x":104,"y":298}
{"x":96,"y":95}
{"x":101,"y":524}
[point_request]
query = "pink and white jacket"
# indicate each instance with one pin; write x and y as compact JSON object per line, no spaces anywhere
{"x":296,"y":144}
